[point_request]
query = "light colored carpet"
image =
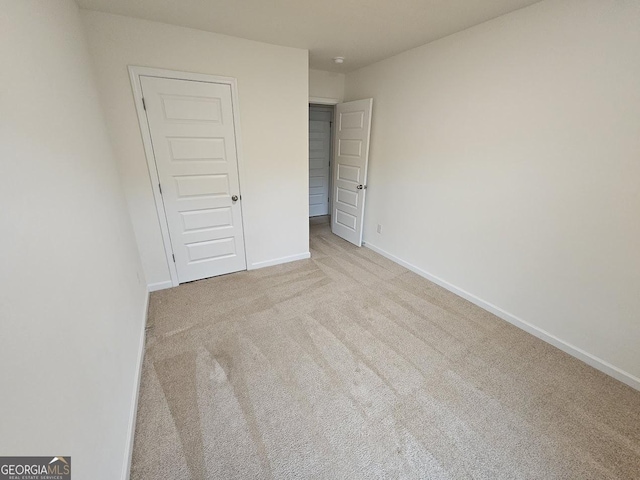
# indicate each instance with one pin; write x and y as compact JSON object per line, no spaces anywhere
{"x":348,"y":366}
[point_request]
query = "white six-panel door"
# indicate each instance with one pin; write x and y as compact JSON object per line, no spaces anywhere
{"x":353,"y":128}
{"x":193,"y":137}
{"x":319,"y":159}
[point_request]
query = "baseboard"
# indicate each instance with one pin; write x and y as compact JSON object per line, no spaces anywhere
{"x":136,"y":393}
{"x":278,"y":261}
{"x":586,"y":357}
{"x":152,"y":287}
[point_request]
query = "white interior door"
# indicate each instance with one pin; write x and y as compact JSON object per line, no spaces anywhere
{"x":193,"y":136}
{"x":353,"y":129}
{"x":319,"y":160}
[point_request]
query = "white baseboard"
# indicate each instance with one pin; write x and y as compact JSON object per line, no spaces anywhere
{"x":572,"y":350}
{"x":278,"y":261}
{"x":152,"y":287}
{"x":136,"y":393}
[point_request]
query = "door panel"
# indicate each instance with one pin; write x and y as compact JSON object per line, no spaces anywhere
{"x":353,"y":120}
{"x":319,"y":159}
{"x":193,"y":136}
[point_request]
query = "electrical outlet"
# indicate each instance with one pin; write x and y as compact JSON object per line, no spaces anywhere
{"x":379,"y":228}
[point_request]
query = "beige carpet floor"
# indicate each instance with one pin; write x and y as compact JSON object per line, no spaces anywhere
{"x":348,"y":366}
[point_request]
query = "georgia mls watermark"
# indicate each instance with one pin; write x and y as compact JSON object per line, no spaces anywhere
{"x":35,"y":468}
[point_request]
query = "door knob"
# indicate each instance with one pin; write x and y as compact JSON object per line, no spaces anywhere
{"x":234,"y":198}
{"x":361,"y":187}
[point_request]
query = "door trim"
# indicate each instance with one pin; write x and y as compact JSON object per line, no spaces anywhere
{"x":323,"y":100}
{"x":135,"y":73}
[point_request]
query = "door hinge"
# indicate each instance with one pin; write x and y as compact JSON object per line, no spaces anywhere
{"x":174,"y":257}
{"x":160,"y":188}
{"x":144,"y":105}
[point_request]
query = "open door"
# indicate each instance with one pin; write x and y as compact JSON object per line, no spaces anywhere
{"x":353,"y":129}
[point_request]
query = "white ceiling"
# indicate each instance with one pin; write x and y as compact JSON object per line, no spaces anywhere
{"x":362,"y":31}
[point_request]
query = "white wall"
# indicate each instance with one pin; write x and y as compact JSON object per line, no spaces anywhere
{"x":505,"y":160}
{"x":325,"y":84}
{"x":273,"y":97}
{"x":71,"y":306}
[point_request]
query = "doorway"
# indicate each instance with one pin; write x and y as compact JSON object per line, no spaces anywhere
{"x":338,"y":161}
{"x":320,"y":143}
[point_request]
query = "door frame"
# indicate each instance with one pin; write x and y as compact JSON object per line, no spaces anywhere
{"x":135,"y":73}
{"x":323,"y":101}
{"x":328,"y":102}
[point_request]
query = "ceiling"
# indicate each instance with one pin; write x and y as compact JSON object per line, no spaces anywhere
{"x":362,"y":31}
